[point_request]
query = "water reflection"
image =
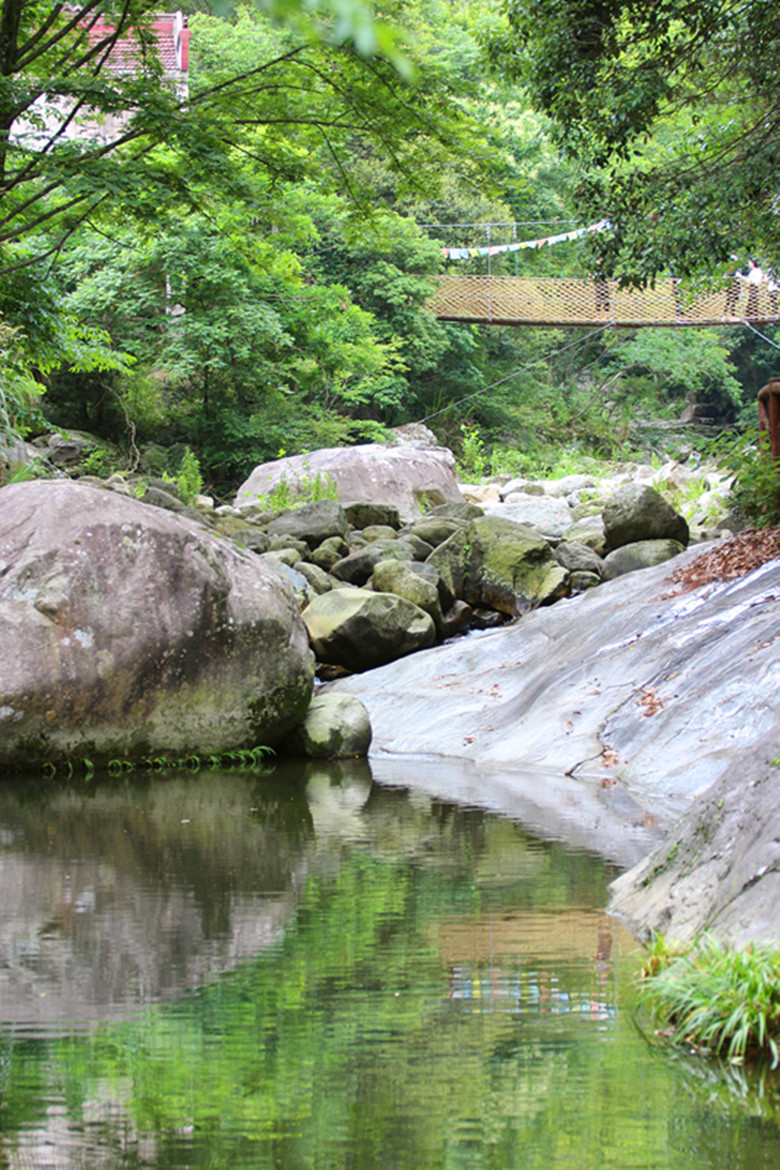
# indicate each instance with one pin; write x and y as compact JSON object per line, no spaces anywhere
{"x":310,"y":969}
{"x":126,"y":894}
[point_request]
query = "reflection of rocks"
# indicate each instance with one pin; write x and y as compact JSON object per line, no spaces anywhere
{"x":337,"y":797}
{"x":172,"y":886}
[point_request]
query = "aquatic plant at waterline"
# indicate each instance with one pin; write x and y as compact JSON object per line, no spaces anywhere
{"x":716,"y":999}
{"x":252,"y":759}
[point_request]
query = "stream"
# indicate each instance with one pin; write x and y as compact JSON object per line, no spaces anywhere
{"x":303,"y":967}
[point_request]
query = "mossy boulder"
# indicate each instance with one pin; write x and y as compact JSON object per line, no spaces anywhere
{"x":130,"y":631}
{"x":359,"y":629}
{"x":335,"y":727}
{"x":499,"y":564}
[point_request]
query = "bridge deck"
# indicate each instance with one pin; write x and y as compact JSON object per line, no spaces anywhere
{"x":554,"y":301}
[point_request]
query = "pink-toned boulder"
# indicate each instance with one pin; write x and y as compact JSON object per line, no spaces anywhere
{"x":129,"y":631}
{"x":404,"y":477}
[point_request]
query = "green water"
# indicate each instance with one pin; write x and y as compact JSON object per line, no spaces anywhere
{"x":305,"y":969}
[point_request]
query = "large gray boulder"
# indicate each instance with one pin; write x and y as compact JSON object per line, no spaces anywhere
{"x":401,"y":478}
{"x":496,"y":563}
{"x":358,"y":629}
{"x":637,"y":512}
{"x":127,"y":630}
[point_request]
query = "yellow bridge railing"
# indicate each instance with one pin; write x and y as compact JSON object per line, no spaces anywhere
{"x":554,"y":301}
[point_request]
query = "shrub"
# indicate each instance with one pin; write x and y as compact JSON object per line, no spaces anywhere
{"x":757,"y":476}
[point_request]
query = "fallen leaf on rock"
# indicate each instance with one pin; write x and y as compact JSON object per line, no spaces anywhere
{"x":609,"y":757}
{"x":651,"y":703}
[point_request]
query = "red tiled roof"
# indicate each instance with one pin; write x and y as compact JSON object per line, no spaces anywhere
{"x":173,"y":50}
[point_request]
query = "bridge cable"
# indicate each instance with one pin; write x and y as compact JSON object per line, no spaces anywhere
{"x":522,"y":370}
{"x":763,"y":336}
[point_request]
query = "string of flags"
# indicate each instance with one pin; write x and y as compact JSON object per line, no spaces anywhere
{"x":496,"y":249}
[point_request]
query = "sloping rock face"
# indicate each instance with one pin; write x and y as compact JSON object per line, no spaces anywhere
{"x":397,"y":477}
{"x":719,"y":870}
{"x":645,"y":695}
{"x":126,"y":630}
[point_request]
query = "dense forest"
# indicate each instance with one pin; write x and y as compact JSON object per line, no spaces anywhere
{"x":242,"y":271}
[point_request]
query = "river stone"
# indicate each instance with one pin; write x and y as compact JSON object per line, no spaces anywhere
{"x":580,"y":580}
{"x":637,"y":512}
{"x":329,"y":552}
{"x":401,"y":579}
{"x":460,"y":510}
{"x":252,"y":538}
{"x":378,"y":532}
{"x":312,"y":523}
{"x":358,"y":629}
{"x":162,"y":497}
{"x":358,"y":566}
{"x":640,"y":555}
{"x":578,"y":558}
{"x":335,"y":727}
{"x":363,"y":515}
{"x":403,"y":477}
{"x":299,"y":582}
{"x":318,"y":579}
{"x":434,"y":530}
{"x":496,"y":563}
{"x":544,"y":513}
{"x":128,"y":631}
{"x":590,"y":531}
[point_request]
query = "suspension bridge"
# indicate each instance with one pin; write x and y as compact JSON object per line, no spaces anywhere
{"x":564,"y":301}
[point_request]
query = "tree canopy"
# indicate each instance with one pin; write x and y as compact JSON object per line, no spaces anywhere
{"x":672,"y":110}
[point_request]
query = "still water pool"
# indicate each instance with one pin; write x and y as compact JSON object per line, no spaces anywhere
{"x":306,"y":969}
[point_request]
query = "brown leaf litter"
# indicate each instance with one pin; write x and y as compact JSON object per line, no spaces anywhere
{"x":732,"y":558}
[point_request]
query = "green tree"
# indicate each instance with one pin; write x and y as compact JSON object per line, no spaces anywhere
{"x":282,"y":91}
{"x":672,"y":110}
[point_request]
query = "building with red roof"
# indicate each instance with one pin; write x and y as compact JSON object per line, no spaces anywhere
{"x":48,"y":118}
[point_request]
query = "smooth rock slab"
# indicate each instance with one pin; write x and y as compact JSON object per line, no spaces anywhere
{"x":718,"y":871}
{"x":127,"y":630}
{"x":623,"y":686}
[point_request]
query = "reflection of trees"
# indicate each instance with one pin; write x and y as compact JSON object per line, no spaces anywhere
{"x":351,"y":1040}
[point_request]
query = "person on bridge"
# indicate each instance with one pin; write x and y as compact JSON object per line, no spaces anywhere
{"x":754,"y":279}
{"x":602,"y":289}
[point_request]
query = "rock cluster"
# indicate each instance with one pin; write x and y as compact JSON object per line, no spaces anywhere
{"x":113,"y":626}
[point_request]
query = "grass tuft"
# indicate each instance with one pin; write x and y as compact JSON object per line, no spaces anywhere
{"x":716,"y":999}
